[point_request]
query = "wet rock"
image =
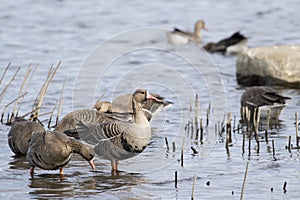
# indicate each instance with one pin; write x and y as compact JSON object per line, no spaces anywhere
{"x":274,"y":65}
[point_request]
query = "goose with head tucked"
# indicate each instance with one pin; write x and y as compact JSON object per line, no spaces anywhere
{"x":53,"y":150}
{"x":179,"y":37}
{"x":20,"y":134}
{"x":265,"y":98}
{"x":119,"y":140}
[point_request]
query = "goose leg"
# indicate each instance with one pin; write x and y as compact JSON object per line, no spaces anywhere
{"x":114,"y":166}
{"x":61,"y":171}
{"x":31,"y":171}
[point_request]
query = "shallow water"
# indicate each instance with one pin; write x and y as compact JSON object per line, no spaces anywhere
{"x":133,"y":53}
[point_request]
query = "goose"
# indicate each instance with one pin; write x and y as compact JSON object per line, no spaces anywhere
{"x":122,"y":104}
{"x":234,"y":44}
{"x":52,"y":150}
{"x":119,"y":140}
{"x":179,"y":37}
{"x":20,"y":133}
{"x":68,"y":124}
{"x":264,"y":97}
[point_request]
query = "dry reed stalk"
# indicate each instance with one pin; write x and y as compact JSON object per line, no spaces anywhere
{"x":244,"y":181}
{"x":21,"y":87}
{"x":50,"y":119}
{"x":40,"y":98}
{"x":60,"y":101}
{"x":193,"y":188}
{"x":4,"y":72}
{"x":9,"y":83}
{"x":5,"y":107}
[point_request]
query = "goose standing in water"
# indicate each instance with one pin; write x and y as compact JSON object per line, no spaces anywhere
{"x":234,"y":44}
{"x":20,"y":133}
{"x":119,"y":140}
{"x":53,"y":150}
{"x":179,"y":37}
{"x":264,"y":97}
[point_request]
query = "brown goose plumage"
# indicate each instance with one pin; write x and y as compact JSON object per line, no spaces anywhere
{"x":118,"y":140}
{"x":266,"y":98}
{"x":53,"y":150}
{"x":68,"y":123}
{"x":20,"y":133}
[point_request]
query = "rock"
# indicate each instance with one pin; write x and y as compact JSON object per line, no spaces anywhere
{"x":274,"y":65}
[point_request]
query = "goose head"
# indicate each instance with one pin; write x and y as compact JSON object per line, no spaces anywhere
{"x":103,"y":106}
{"x":139,"y":97}
{"x":200,"y":24}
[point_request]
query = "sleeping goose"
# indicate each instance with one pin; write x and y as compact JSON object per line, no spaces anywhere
{"x":20,"y":133}
{"x":236,"y":43}
{"x":179,"y":37}
{"x":119,"y":140}
{"x":264,"y":97}
{"x":123,"y":104}
{"x":53,"y":150}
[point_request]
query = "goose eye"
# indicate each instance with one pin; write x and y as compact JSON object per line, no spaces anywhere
{"x":142,"y":92}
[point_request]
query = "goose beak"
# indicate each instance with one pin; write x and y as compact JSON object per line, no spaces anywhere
{"x":92,"y":164}
{"x":205,"y":28}
{"x":150,"y":97}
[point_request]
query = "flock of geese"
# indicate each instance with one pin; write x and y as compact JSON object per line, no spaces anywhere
{"x":120,"y":129}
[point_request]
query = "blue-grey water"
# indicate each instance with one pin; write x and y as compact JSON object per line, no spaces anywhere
{"x":111,"y":48}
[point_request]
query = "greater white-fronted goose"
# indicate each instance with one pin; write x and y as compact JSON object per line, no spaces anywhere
{"x":151,"y":107}
{"x":264,"y":97}
{"x":20,"y":133}
{"x":119,"y":140}
{"x":234,"y":44}
{"x":53,"y":150}
{"x":179,"y":37}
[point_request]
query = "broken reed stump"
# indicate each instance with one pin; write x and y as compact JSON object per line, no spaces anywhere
{"x":173,"y":145}
{"x":289,"y":144}
{"x":273,"y":148}
{"x":175,"y":179}
{"x":167,"y":144}
{"x":267,"y":126}
{"x":228,"y":133}
{"x":284,"y":187}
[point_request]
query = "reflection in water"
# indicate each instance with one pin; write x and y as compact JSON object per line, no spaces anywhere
{"x":19,"y":163}
{"x":79,"y":184}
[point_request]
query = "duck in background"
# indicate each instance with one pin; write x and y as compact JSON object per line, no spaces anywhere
{"x":234,"y":44}
{"x":179,"y":37}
